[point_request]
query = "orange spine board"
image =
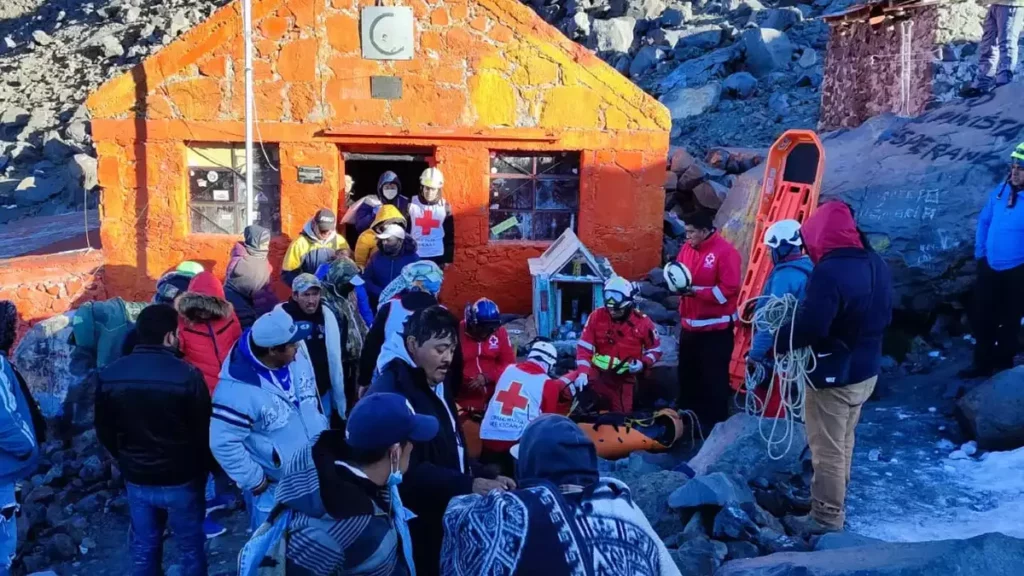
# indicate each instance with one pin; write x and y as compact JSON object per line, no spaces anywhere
{"x":792,"y":182}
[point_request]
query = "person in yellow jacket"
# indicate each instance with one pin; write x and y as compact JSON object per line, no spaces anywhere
{"x":317,"y":244}
{"x":366,"y":245}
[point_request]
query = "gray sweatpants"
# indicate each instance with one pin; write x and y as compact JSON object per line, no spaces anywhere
{"x":1002,"y":28}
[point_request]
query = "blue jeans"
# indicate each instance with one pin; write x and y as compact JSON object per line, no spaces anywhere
{"x":151,"y":508}
{"x":1002,"y":30}
{"x":259,"y":507}
{"x":8,"y":528}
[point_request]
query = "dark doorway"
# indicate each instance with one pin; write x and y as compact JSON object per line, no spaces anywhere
{"x":577,"y":301}
{"x":365,"y":170}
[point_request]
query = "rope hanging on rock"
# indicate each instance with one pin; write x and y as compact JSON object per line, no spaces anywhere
{"x":789,"y":376}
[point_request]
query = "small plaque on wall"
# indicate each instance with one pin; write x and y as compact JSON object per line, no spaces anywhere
{"x":311,"y":175}
{"x":385,"y":88}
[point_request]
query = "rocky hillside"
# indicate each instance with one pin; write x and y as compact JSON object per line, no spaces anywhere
{"x":53,"y":53}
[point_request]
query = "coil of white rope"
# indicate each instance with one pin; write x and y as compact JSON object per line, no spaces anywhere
{"x":789,"y":377}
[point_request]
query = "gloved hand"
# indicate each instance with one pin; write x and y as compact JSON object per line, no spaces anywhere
{"x":635,"y":366}
{"x":602,"y":362}
{"x":577,"y":385}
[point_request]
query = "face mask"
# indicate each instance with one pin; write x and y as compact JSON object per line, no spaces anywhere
{"x":399,"y":515}
{"x":390,"y":192}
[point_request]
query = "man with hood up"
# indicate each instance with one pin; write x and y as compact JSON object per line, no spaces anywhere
{"x":367,"y":244}
{"x":374,"y":212}
{"x":846,"y":307}
{"x":563,"y":519}
{"x":207,"y":326}
{"x":247,"y":282}
{"x":317,"y":245}
{"x":344,"y":293}
{"x":395,"y":251}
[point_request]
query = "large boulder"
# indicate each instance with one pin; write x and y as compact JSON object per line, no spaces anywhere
{"x":651,"y":492}
{"x":736,"y":447}
{"x":712,"y":490}
{"x":766,"y":50}
{"x":993,"y":413}
{"x":917,"y":187}
{"x":987,"y":555}
{"x":683,"y":103}
{"x":613,"y":35}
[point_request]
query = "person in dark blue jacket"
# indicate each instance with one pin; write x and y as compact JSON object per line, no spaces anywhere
{"x":846,"y":308}
{"x":999,"y":249}
{"x":394,"y":251}
{"x":439,"y":469}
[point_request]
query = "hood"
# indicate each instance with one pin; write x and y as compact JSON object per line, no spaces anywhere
{"x":315,"y":486}
{"x":401,"y":308}
{"x":389,"y":212}
{"x":387,"y":178}
{"x":256,"y":240}
{"x":309,"y":231}
{"x":554,"y":449}
{"x":204,"y":300}
{"x":830,"y":227}
{"x":802,"y":262}
{"x":249,"y":275}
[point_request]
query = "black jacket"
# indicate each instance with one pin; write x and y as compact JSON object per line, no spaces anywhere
{"x":434,"y":475}
{"x":153,"y":415}
{"x":843,"y":316}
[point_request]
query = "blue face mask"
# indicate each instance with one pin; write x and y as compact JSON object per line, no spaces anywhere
{"x":401,"y":516}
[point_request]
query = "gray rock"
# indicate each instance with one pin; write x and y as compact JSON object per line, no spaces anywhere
{"x":732,"y":523}
{"x":649,"y":10}
{"x":652,"y":291}
{"x":740,"y":550}
{"x":779,"y":18}
{"x":62,"y":547}
{"x":77,"y":131}
{"x":993,"y":413}
{"x":710,"y":194}
{"x":131,"y":15}
{"x":651,"y":493}
{"x":742,"y":8}
{"x":657,"y":277}
{"x":716,"y":489}
{"x":763,"y":518}
{"x":89,"y":504}
{"x":700,"y":71}
{"x":645,"y":59}
{"x":673,"y":17}
{"x":36,"y":190}
{"x":704,"y":37}
{"x":686,"y":102}
{"x":808,"y":58}
{"x":695,"y":527}
{"x":578,"y":26}
{"x":699,"y":557}
{"x":35,"y":562}
{"x":735,"y":447}
{"x":772,"y":542}
{"x":778,"y":102}
{"x":13,"y":118}
{"x":179,"y":23}
{"x":655,"y":311}
{"x":613,"y":35}
{"x":41,"y":38}
{"x":838,"y":540}
{"x":766,"y":50}
{"x":93,"y":469}
{"x":740,"y":85}
{"x":9,"y":43}
{"x":987,"y":555}
{"x":55,"y":149}
{"x":111,"y":47}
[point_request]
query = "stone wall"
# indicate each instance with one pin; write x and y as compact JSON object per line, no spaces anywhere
{"x":45,"y":286}
{"x":864,"y":69}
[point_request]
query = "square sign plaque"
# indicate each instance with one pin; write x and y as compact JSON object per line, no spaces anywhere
{"x":387,"y":32}
{"x":311,"y":175}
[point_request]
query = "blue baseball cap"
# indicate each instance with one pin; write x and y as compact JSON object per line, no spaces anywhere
{"x":382,"y":419}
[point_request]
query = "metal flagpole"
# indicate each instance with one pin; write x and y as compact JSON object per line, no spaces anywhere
{"x":249,"y":155}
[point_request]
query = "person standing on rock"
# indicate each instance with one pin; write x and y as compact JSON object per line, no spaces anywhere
{"x":999,"y":249}
{"x":708,"y":312}
{"x":563,"y":519}
{"x":153,"y":416}
{"x":1001,"y":29}
{"x":266,"y":408}
{"x":431,"y":220}
{"x":617,"y":345}
{"x":316,"y":245}
{"x":846,"y":308}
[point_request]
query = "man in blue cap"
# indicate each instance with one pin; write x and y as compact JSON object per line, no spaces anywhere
{"x":342,"y":492}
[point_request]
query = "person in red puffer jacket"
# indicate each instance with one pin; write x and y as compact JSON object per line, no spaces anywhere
{"x":207,"y":326}
{"x":707,"y":313}
{"x":486,"y":352}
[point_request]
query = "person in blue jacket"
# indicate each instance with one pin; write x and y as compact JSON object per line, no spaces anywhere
{"x":789,"y":276}
{"x":394,"y":251}
{"x":999,"y":249}
{"x":19,"y":456}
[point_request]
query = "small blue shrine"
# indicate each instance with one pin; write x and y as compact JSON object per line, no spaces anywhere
{"x":568,"y":284}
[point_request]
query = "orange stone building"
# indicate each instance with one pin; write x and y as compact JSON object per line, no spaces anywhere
{"x":533,"y":133}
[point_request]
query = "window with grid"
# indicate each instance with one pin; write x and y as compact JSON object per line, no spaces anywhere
{"x":533,"y":196}
{"x":217,"y":199}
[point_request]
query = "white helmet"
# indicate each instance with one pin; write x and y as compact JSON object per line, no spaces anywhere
{"x":432,"y":178}
{"x":783,"y":231}
{"x":543,"y":351}
{"x":678,"y":277}
{"x":618,"y":292}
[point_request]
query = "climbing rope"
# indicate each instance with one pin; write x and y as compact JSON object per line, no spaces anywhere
{"x":789,"y":375}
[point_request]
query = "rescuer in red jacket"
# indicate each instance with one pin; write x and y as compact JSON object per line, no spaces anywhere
{"x":707,"y":313}
{"x":486,"y":352}
{"x":618,"y":343}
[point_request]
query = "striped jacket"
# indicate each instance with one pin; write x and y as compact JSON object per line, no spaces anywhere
{"x":19,"y":451}
{"x":340,"y":521}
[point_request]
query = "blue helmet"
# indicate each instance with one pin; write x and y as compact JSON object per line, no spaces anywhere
{"x":483,"y":312}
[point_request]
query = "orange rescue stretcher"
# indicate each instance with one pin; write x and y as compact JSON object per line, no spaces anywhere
{"x":792,"y":182}
{"x":615,"y":435}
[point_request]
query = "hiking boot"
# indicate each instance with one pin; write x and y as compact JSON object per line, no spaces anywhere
{"x":805,"y":526}
{"x":973,"y":372}
{"x":976,"y":89}
{"x":1004,"y":78}
{"x":213,"y":529}
{"x":219,"y":502}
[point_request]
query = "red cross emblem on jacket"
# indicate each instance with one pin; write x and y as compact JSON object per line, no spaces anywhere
{"x":512,"y":398}
{"x":427,"y":222}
